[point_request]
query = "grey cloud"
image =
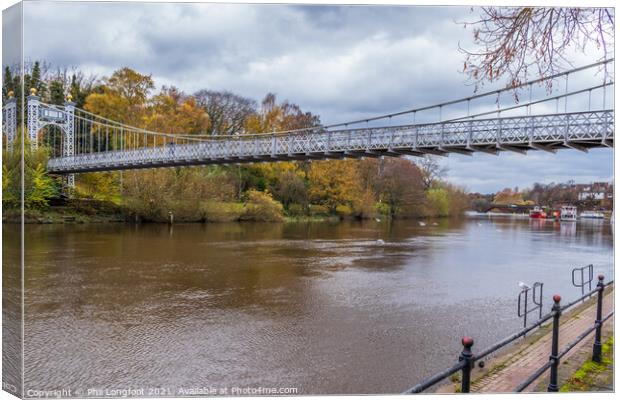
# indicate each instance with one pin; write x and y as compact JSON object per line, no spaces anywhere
{"x":340,"y":62}
{"x":12,"y":36}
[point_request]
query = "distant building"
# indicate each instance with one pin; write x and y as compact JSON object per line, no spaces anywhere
{"x":596,"y":191}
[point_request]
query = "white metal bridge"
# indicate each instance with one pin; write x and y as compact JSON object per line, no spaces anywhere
{"x":85,"y":142}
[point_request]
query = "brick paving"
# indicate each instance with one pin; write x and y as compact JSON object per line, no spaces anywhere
{"x":522,"y":363}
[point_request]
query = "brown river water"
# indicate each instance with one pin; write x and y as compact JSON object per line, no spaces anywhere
{"x":322,"y":308}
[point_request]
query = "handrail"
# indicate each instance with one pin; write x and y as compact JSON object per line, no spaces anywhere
{"x":438,"y":377}
{"x":590,"y":293}
{"x":465,"y":364}
{"x":493,"y":348}
{"x":523,"y":385}
{"x":250,"y":136}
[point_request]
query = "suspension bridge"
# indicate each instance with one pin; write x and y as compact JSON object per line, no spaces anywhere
{"x":80,"y":141}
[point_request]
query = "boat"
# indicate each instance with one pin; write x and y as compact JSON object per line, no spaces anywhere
{"x":538,"y":213}
{"x":568,"y":213}
{"x":592,"y":215}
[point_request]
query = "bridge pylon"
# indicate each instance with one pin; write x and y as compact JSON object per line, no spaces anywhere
{"x":38,"y":117}
{"x":9,"y":121}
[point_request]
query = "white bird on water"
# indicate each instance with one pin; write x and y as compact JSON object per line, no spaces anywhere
{"x":377,"y":219}
{"x":380,"y":242}
{"x":422,"y":223}
{"x":524,"y":286}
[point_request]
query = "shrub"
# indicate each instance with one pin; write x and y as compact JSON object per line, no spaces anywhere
{"x":317,"y":209}
{"x":383,"y":208}
{"x":262,"y":207}
{"x":296,"y":209}
{"x":439,"y":202}
{"x":343,"y":210}
{"x":218,"y":211}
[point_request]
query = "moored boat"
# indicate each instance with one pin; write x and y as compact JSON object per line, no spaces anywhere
{"x":538,"y":213}
{"x":592,"y":215}
{"x":568,"y":213}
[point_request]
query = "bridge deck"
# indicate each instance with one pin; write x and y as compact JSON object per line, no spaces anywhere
{"x":578,"y":130}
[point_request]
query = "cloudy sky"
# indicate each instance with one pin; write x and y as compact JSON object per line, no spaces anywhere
{"x":340,"y":62}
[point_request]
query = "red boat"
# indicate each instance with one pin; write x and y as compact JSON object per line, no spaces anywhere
{"x":538,"y":213}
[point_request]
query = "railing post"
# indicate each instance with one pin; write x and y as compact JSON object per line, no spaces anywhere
{"x":466,"y":355}
{"x":596,"y":351}
{"x":553,"y":375}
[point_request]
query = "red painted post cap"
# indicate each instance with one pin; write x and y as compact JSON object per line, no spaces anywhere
{"x":467,"y":341}
{"x":557,"y":298}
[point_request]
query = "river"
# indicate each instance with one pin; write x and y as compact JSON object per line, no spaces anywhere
{"x":351,"y":307}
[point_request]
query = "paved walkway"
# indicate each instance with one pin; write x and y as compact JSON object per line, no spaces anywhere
{"x":525,"y":361}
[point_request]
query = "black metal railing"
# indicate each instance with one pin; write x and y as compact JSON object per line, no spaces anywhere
{"x":522,"y":312}
{"x":585,"y":279}
{"x":467,"y":358}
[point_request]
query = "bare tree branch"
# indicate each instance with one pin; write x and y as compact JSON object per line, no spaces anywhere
{"x":513,"y":41}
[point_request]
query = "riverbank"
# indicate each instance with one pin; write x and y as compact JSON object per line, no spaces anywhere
{"x":83,"y":211}
{"x":512,"y":365}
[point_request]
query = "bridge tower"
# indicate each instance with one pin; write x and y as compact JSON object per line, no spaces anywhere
{"x":9,"y":120}
{"x":39,"y":117}
{"x":68,"y":148}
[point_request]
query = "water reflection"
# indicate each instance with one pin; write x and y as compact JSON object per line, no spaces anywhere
{"x":315,"y":306}
{"x":11,"y":310}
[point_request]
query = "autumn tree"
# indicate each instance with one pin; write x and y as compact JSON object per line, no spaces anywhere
{"x":122,"y":97}
{"x":432,"y":171}
{"x":171,"y":111}
{"x":276,"y":116}
{"x":401,"y":185}
{"x":228,"y":112}
{"x":290,"y":188}
{"x":508,"y":196}
{"x":516,"y":41}
{"x":334,"y":183}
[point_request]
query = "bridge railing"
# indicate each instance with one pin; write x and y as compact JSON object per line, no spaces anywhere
{"x":585,"y":126}
{"x":467,"y":359}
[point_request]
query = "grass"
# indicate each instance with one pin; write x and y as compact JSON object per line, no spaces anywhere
{"x":584,"y":379}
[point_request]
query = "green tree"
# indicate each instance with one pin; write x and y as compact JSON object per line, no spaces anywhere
{"x":439,"y":202}
{"x":57,"y":92}
{"x":41,"y":190}
{"x":36,"y":80}
{"x":38,"y":186}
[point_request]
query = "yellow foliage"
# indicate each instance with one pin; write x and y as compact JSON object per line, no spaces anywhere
{"x":333,"y":183}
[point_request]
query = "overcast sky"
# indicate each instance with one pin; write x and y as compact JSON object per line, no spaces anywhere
{"x":340,"y":62}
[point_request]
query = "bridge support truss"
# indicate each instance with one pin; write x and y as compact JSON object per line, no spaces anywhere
{"x":40,"y":115}
{"x":9,"y":121}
